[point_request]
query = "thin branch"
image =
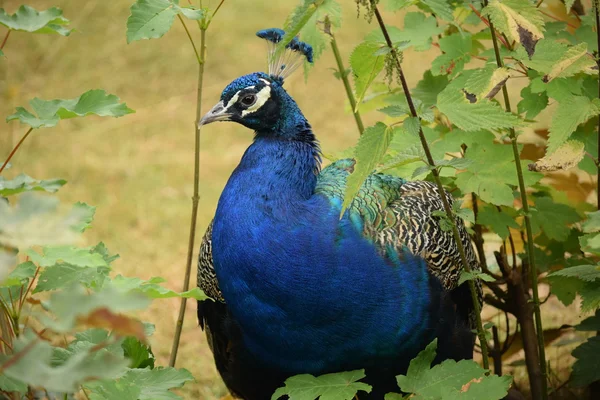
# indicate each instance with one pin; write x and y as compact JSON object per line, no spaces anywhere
{"x":344,"y":77}
{"x":195,"y":198}
{"x":527,"y":217}
{"x":440,"y":187}
{"x":598,"y":62}
{"x":216,"y":10}
{"x":557,"y":19}
{"x":5,"y":39}
{"x":14,"y":150}
{"x":187,"y":32}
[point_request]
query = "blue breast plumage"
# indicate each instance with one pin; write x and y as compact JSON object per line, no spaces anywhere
{"x":296,"y":289}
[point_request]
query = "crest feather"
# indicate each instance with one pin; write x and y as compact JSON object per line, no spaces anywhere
{"x":284,"y":64}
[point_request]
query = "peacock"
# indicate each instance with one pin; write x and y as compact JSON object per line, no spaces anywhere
{"x":295,"y":288}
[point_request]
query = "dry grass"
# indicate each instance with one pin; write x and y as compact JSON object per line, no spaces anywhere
{"x":138,"y":169}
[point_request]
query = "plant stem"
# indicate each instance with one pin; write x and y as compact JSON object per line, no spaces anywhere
{"x":195,"y":198}
{"x":190,"y":38}
{"x":5,"y":39}
{"x":14,"y":150}
{"x":597,"y":12}
{"x":527,"y":217}
{"x":344,"y":77}
{"x":440,"y":187}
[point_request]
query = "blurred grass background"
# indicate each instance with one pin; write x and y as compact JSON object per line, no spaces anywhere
{"x":138,"y":170}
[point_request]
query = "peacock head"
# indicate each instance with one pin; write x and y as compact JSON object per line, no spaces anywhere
{"x":258,"y":100}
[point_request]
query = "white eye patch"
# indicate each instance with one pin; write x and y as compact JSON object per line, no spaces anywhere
{"x":261,"y":98}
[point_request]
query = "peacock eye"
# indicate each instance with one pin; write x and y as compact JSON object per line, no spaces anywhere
{"x":249,"y":100}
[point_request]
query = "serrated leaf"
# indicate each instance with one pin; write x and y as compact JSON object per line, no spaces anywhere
{"x":412,"y":125}
{"x":474,"y":275}
{"x":498,"y":221}
{"x":50,"y":112}
{"x":150,"y":19}
{"x":408,"y":155}
{"x":590,"y":323}
{"x":468,"y":116}
{"x":153,"y":290}
{"x":565,"y":288}
{"x":456,"y":49}
{"x":63,"y":276}
{"x":139,"y":354}
{"x":153,"y":384}
{"x":30,"y":20}
{"x":492,"y":181}
{"x":553,"y":218}
{"x":587,"y":367}
{"x":592,"y":223}
{"x":20,"y":275}
{"x":25,"y":183}
{"x":418,"y":31}
{"x":12,"y":385}
{"x":191,"y":12}
{"x":81,"y":257}
{"x":519,"y":20}
{"x":567,"y":156}
{"x":450,"y":379}
{"x":441,"y":8}
{"x":532,"y":103}
{"x":429,"y":87}
{"x":568,"y":116}
{"x":365,"y":67}
{"x":33,"y":220}
{"x":554,"y":59}
{"x":370,"y":149}
{"x":588,"y":273}
{"x":485,"y":83}
{"x":569,"y":4}
{"x":75,"y":304}
{"x":394,"y":111}
{"x":338,"y":386}
{"x":35,"y":366}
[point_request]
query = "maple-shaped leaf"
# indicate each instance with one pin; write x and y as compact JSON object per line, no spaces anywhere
{"x":338,"y":386}
{"x":519,"y":20}
{"x":456,"y":49}
{"x":553,"y":218}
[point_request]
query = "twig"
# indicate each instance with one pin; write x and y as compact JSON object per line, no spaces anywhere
{"x":598,"y":62}
{"x":557,"y":19}
{"x":14,"y":150}
{"x":527,"y":217}
{"x":5,"y":39}
{"x":344,"y":77}
{"x":190,"y":38}
{"x":195,"y":198}
{"x":440,"y":187}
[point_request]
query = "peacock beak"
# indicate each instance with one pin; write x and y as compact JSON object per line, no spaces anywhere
{"x":217,"y":113}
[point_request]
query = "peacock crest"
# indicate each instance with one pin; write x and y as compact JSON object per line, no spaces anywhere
{"x":283,"y":63}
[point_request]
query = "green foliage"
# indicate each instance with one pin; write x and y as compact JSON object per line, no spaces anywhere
{"x":570,"y":113}
{"x":339,"y":386}
{"x":151,"y":19}
{"x":369,"y":151}
{"x":366,"y":63}
{"x":418,"y":32}
{"x":553,"y":218}
{"x":587,"y":367}
{"x":25,"y":183}
{"x":456,"y":52}
{"x":28,"y":19}
{"x":450,"y":379}
{"x":50,"y":112}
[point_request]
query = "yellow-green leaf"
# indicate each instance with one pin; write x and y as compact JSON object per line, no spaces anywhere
{"x":565,"y":157}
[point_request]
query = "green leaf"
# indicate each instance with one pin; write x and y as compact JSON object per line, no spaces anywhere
{"x":554,"y":59}
{"x":565,"y":288}
{"x":590,"y":323}
{"x":62,"y":276}
{"x":570,"y":114}
{"x":408,"y":155}
{"x":33,"y":220}
{"x":35,"y":366}
{"x":87,"y":213}
{"x":418,"y":31}
{"x":450,"y":379}
{"x":338,"y":386}
{"x":498,"y":221}
{"x":441,"y":8}
{"x":50,"y":112}
{"x":569,"y":4}
{"x":592,"y":223}
{"x":429,"y":87}
{"x":20,"y":275}
{"x":191,"y":12}
{"x":456,"y":49}
{"x":25,"y":183}
{"x":150,"y":19}
{"x":139,"y":354}
{"x":412,"y":125}
{"x":12,"y":384}
{"x":474,"y":275}
{"x":70,"y":305}
{"x":532,"y":103}
{"x":483,"y":114}
{"x":553,"y":218}
{"x":519,"y":20}
{"x":153,"y":290}
{"x":147,"y":384}
{"x":30,"y":20}
{"x":370,"y":149}
{"x":587,"y":367}
{"x":492,"y":182}
{"x":81,"y":257}
{"x":365,"y":67}
{"x":588,"y":273}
